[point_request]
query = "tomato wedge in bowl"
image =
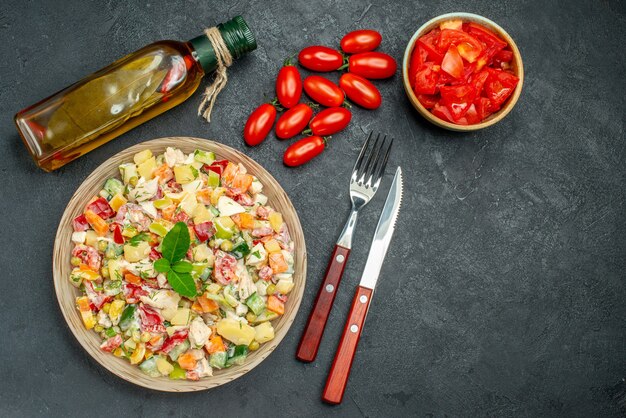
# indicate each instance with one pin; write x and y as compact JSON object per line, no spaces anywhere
{"x":462,"y":72}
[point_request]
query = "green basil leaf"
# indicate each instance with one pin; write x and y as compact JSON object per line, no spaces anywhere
{"x":176,"y":243}
{"x":162,"y":265}
{"x":182,"y":267}
{"x":182,"y":283}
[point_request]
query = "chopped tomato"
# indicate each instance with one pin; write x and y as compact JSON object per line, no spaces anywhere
{"x":457,"y":99}
{"x":118,"y":238}
{"x":456,"y":24}
{"x":177,"y":338}
{"x":418,"y":57}
{"x":442,"y":112}
{"x":502,"y":57}
{"x":499,"y":86}
{"x":429,"y":43}
{"x":472,"y":115}
{"x":453,"y":63}
{"x":111,"y":344}
{"x":468,"y":46}
{"x":493,"y":44}
{"x":426,"y":79}
{"x":428,"y":100}
{"x":204,"y":230}
{"x":483,"y":107}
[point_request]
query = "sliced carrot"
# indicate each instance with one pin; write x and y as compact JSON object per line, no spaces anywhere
{"x":164,"y":173}
{"x":215,"y":345}
{"x":168,"y":212}
{"x":83,"y":304}
{"x":208,"y":305}
{"x":275,"y":305}
{"x":278,"y":263}
{"x":242,"y":182}
{"x":131,"y":278}
{"x":97,"y":223}
{"x":247,"y":221}
{"x":229,"y":173}
{"x":187,"y":361}
{"x":204,"y":196}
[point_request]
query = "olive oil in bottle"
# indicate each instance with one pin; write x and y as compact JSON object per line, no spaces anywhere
{"x":125,"y":94}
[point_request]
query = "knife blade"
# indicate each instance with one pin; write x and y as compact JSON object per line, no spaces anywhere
{"x":384,"y":232}
{"x":340,"y":369}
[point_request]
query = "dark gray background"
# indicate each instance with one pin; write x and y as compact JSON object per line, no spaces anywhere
{"x":503,"y":292}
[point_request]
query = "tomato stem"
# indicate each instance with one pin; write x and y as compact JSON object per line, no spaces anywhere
{"x":343,"y":67}
{"x":288,"y":61}
{"x":307,"y":131}
{"x":346,"y":104}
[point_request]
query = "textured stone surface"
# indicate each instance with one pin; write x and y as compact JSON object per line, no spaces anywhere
{"x":503,"y":293}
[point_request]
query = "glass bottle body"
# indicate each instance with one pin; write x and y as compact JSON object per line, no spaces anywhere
{"x":108,"y":103}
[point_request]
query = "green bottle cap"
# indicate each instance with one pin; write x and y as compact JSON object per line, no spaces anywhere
{"x":238,"y":39}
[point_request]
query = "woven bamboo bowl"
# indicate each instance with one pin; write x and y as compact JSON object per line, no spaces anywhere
{"x":517,"y":67}
{"x":66,"y":293}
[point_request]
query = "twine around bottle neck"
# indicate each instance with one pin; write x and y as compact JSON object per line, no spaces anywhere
{"x":224,"y":60}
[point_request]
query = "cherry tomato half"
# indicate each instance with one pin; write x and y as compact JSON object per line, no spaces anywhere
{"x":304,"y":150}
{"x":288,"y":85}
{"x":259,"y":124}
{"x":330,"y":121}
{"x":372,"y":65}
{"x":323,"y":91}
{"x":360,"y":90}
{"x":320,"y":58}
{"x":363,"y":40}
{"x":293,"y":121}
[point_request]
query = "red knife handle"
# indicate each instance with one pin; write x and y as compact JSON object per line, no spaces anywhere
{"x":340,"y":370}
{"x":314,"y":330}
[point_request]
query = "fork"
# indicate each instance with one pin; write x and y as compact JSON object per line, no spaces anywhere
{"x":366,"y":175}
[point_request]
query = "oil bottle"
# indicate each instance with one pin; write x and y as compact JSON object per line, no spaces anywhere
{"x":124,"y":94}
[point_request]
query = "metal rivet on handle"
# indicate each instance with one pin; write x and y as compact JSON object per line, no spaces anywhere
{"x":354,"y":328}
{"x":330,"y":288}
{"x":340,"y":258}
{"x":363,"y":299}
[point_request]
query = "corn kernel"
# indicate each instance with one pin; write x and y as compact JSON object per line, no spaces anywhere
{"x":136,"y":336}
{"x":118,"y":352}
{"x":98,"y":328}
{"x":254,"y":345}
{"x":106,"y":307}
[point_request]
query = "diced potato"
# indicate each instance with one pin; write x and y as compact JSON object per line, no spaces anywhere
{"x":284,"y":286}
{"x":217,"y":193}
{"x":115,"y":310}
{"x":272,"y":246}
{"x":202,"y":214}
{"x":182,"y":317}
{"x":136,"y":253}
{"x":91,"y":238}
{"x":117,"y":202}
{"x":237,"y":332}
{"x":264,"y":332}
{"x":115,"y":269}
{"x":193,"y":186}
{"x":168,"y":313}
{"x":201,"y":252}
{"x":185,"y":174}
{"x":146,"y":168}
{"x":189,"y":203}
{"x":163,"y":366}
{"x":142,"y":156}
{"x":276,"y":221}
{"x":89,"y":319}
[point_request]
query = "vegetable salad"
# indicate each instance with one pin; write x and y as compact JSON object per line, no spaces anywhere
{"x":181,"y":264}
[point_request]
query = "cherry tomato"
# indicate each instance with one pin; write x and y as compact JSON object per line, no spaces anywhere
{"x":320,"y":58}
{"x":363,"y":40}
{"x":323,"y":91}
{"x":259,"y":124}
{"x":330,"y":121}
{"x":372,"y":65}
{"x":288,"y":85}
{"x":360,"y":90}
{"x":304,"y":150}
{"x":293,"y":121}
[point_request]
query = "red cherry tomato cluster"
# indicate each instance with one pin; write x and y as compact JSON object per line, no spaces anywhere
{"x":358,"y":68}
{"x":461,"y":72}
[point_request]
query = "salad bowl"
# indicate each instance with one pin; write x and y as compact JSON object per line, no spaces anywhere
{"x":67,"y":293}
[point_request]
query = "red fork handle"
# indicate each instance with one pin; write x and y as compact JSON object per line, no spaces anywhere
{"x":340,"y":370}
{"x":314,"y":330}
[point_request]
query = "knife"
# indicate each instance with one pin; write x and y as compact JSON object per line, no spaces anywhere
{"x":340,"y":370}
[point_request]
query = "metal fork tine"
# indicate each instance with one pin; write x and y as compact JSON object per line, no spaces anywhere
{"x":370,"y":160}
{"x":376,"y":155}
{"x":378,"y":174}
{"x":359,"y":160}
